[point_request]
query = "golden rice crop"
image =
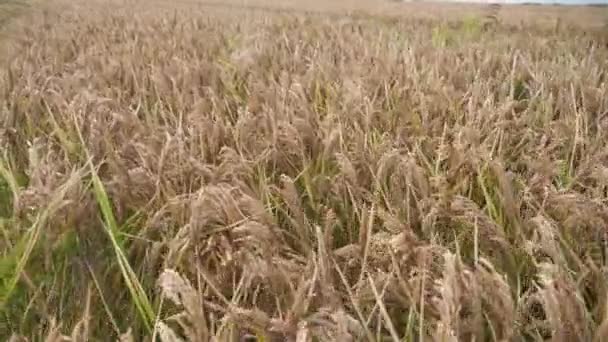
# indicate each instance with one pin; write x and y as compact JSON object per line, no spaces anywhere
{"x":230,"y":173}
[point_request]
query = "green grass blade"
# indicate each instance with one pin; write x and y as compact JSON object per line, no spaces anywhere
{"x":138,"y":294}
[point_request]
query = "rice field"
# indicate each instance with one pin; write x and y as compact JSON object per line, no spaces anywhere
{"x":288,"y":171}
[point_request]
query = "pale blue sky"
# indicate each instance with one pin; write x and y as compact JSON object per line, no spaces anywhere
{"x":570,"y":2}
{"x":564,"y":2}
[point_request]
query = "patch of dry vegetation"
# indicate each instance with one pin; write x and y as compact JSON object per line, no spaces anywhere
{"x":196,"y":174}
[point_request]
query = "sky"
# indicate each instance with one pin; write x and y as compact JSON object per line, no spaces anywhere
{"x":564,"y":2}
{"x":571,"y":2}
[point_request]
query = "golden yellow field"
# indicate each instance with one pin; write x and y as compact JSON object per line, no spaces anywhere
{"x":256,"y":170}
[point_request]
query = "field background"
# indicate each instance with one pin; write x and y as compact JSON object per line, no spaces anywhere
{"x":592,"y":16}
{"x":303,"y":171}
